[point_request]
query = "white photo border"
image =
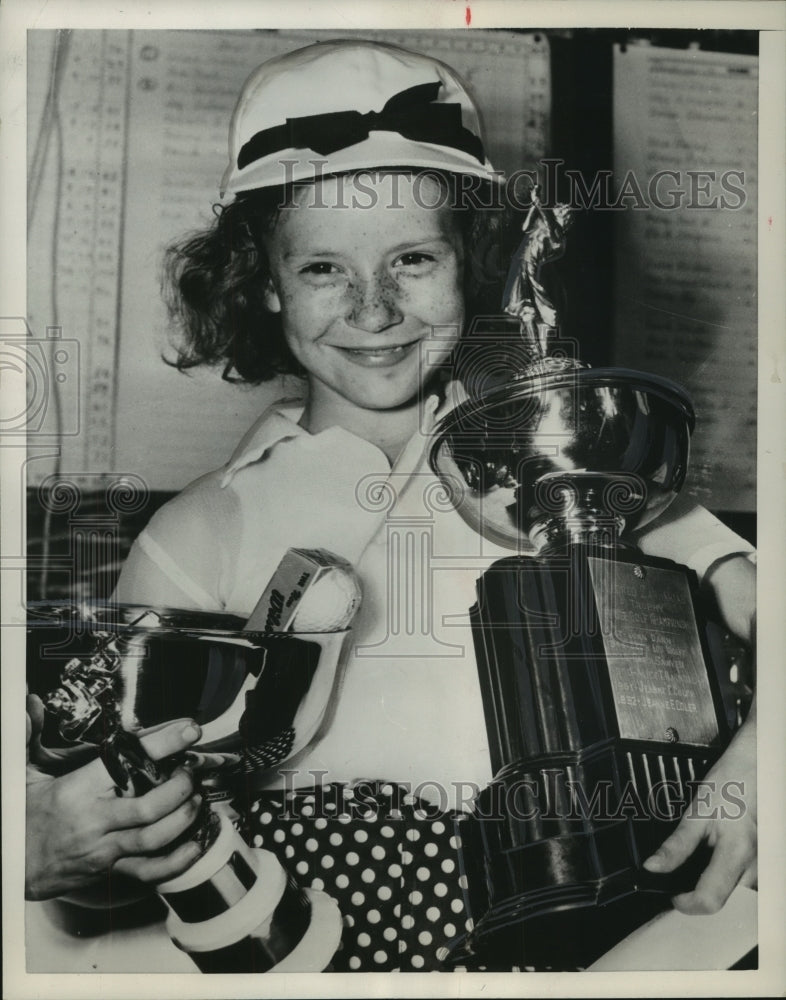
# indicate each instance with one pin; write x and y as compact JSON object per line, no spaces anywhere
{"x":16,"y":16}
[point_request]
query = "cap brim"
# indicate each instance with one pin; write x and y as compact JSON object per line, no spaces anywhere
{"x":380,"y":151}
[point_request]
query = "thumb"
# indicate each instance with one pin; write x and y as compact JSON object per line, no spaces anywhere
{"x":35,"y":725}
{"x":455,"y":395}
{"x":170,"y":738}
{"x":678,"y":847}
{"x":162,"y":741}
{"x":35,"y":718}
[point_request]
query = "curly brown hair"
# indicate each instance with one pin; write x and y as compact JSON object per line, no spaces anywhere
{"x":214,"y":281}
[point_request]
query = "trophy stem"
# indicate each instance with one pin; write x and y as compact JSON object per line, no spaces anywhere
{"x":554,"y":535}
{"x":580,"y":508}
{"x":237,"y":910}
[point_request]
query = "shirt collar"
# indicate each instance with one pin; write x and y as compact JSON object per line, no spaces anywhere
{"x":280,"y":423}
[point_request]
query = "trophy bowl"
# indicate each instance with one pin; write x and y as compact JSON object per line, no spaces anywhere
{"x":562,"y":450}
{"x":258,"y":696}
{"x":262,"y":695}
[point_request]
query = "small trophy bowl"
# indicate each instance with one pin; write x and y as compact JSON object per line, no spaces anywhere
{"x":547,"y":452}
{"x":259,"y":697}
{"x":193,"y":664}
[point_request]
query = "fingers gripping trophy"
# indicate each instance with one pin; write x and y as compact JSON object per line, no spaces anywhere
{"x":235,"y":909}
{"x":601,"y":703}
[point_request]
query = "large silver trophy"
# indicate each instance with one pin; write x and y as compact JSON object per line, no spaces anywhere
{"x":259,"y":691}
{"x":601,"y":704}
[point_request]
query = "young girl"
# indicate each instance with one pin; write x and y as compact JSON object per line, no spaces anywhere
{"x":344,"y":254}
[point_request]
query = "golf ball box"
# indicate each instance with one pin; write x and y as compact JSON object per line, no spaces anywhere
{"x":312,"y":590}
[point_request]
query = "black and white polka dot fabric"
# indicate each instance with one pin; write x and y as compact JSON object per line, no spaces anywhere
{"x":388,"y":859}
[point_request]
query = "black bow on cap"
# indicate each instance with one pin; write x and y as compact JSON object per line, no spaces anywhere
{"x":410,"y":113}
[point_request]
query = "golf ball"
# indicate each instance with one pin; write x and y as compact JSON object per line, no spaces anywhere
{"x":329,"y":604}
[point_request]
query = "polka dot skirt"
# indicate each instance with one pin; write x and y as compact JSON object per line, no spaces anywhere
{"x":388,"y":859}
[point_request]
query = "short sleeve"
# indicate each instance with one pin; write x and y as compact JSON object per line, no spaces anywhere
{"x":182,"y":558}
{"x":146,"y":579}
{"x":690,"y":534}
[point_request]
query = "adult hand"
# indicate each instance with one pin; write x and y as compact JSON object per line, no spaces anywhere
{"x":722,"y":813}
{"x":78,"y":828}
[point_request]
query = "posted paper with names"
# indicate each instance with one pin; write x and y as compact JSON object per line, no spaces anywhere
{"x":685,"y":154}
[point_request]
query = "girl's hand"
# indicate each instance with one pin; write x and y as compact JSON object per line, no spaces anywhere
{"x":723,"y":813}
{"x":732,"y":583}
{"x":78,"y":829}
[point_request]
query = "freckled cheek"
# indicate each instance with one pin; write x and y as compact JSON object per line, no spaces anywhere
{"x":444,"y":303}
{"x":306,"y":316}
{"x":448,"y":309}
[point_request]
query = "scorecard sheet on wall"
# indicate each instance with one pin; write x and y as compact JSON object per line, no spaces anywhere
{"x":685,"y":144}
{"x":137,"y":124}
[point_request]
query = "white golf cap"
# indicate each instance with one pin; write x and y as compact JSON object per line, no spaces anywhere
{"x":346,"y":105}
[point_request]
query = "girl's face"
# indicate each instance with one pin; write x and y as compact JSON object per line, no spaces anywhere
{"x":361,"y":271}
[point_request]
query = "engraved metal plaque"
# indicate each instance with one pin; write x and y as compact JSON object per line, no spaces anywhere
{"x":655,"y":663}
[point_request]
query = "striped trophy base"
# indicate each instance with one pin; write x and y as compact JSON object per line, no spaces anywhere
{"x":237,"y":910}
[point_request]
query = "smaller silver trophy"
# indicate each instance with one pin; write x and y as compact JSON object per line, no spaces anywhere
{"x":260,"y":693}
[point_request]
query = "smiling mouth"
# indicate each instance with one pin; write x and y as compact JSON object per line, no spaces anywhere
{"x":379,"y":355}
